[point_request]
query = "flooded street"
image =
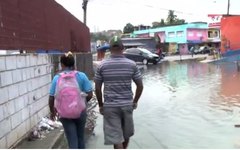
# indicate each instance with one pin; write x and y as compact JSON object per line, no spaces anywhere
{"x":185,"y":104}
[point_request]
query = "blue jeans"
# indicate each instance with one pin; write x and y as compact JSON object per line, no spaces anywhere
{"x":74,"y":131}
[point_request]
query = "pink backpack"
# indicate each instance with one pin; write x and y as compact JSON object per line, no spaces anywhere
{"x":68,"y":100}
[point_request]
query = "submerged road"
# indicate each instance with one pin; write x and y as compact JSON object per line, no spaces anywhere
{"x":185,"y":104}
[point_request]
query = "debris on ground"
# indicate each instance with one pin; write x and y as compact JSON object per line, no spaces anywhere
{"x":43,"y":127}
{"x":46,"y":124}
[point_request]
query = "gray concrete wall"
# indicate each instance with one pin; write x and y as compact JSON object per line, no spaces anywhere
{"x":24,"y":86}
{"x":24,"y":91}
{"x":84,"y":63}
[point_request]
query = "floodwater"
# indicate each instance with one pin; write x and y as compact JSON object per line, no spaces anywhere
{"x":186,"y":104}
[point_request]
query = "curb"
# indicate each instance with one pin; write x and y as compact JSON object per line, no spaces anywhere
{"x":59,"y":141}
{"x":52,"y":140}
{"x":55,"y":139}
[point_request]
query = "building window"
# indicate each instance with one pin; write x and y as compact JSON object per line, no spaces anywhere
{"x":213,"y":34}
{"x":171,"y":34}
{"x":179,"y":33}
{"x":210,"y":34}
{"x":199,"y":34}
{"x":190,"y":33}
{"x":216,"y":34}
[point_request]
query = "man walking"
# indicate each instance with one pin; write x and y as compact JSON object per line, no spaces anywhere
{"x":117,"y":74}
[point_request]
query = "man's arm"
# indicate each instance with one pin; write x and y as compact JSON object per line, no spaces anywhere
{"x":98,"y":79}
{"x":98,"y":90}
{"x":138,"y":92}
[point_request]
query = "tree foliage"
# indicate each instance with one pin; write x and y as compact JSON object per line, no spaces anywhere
{"x":179,"y":21}
{"x":99,"y":36}
{"x":171,"y":19}
{"x":162,"y":22}
{"x":105,"y":35}
{"x":129,"y":28}
{"x":155,"y":24}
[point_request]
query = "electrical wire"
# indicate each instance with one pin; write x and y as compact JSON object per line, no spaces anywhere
{"x":151,"y":6}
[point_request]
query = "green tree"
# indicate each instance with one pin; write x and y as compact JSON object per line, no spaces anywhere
{"x":162,"y":23}
{"x":171,"y":18}
{"x":129,"y":28}
{"x":99,"y":36}
{"x":155,"y":24}
{"x":158,"y":24}
{"x":179,"y":21}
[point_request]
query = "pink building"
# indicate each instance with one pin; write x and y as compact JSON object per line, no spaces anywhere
{"x":197,"y":35}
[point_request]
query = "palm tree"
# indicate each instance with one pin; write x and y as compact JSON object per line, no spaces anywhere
{"x":171,"y":17}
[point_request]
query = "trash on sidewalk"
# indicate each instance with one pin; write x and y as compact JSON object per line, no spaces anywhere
{"x":43,"y":127}
{"x":47,"y":125}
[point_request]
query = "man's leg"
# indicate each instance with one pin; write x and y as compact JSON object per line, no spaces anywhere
{"x":112,"y":127}
{"x":127,"y":124}
{"x":125,"y":143}
{"x":118,"y":146}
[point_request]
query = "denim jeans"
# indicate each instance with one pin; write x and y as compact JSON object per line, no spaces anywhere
{"x":74,"y":131}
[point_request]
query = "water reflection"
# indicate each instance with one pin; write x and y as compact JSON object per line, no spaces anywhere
{"x":188,"y":104}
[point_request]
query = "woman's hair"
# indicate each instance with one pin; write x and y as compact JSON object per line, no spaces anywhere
{"x":67,"y":60}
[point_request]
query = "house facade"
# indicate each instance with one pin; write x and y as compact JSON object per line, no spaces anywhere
{"x":214,"y":32}
{"x":179,"y":37}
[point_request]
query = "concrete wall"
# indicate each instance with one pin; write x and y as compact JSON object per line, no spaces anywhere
{"x":24,"y":90}
{"x":84,"y":63}
{"x":24,"y":86}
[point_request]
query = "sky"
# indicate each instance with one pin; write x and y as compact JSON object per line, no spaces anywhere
{"x":115,"y":14}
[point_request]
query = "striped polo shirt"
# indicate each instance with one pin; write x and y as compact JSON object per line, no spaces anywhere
{"x":117,"y":73}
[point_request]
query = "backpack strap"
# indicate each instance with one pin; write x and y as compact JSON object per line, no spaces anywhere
{"x":75,"y":71}
{"x":67,"y":73}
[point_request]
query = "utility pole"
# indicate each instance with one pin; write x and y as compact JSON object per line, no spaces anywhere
{"x":228,"y":7}
{"x":84,"y":7}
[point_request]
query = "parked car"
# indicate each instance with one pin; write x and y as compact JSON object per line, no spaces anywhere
{"x":200,"y":50}
{"x":141,"y":55}
{"x":204,"y":50}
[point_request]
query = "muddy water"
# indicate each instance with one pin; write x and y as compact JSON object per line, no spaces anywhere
{"x":185,"y":105}
{"x":189,"y":105}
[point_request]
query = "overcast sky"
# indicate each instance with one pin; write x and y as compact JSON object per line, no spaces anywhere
{"x":115,"y":14}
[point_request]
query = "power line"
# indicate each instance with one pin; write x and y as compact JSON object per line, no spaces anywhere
{"x":158,"y":8}
{"x":164,"y":9}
